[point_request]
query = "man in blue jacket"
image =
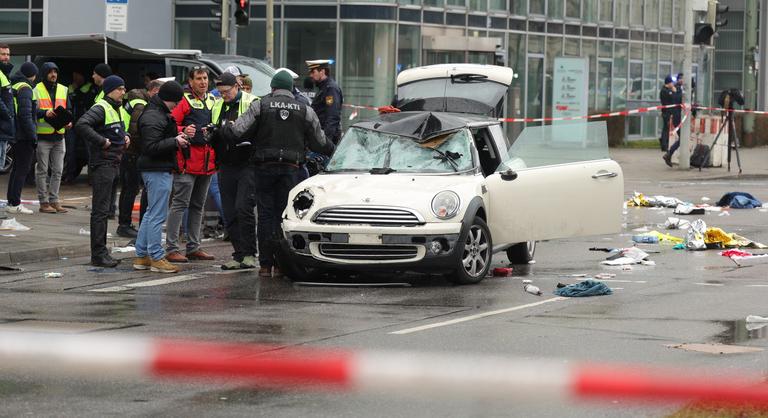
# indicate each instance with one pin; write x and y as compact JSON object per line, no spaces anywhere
{"x":25,"y":139}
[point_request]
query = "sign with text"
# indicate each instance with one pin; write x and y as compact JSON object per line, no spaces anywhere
{"x":117,"y":16}
{"x":570,"y":96}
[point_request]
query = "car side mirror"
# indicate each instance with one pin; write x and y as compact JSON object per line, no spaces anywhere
{"x":508,"y":175}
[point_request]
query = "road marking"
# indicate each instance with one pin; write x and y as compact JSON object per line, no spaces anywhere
{"x":160,"y":282}
{"x":757,"y":285}
{"x":710,"y":284}
{"x":473,"y":317}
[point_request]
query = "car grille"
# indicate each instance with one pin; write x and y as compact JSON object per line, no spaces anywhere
{"x":373,"y":215}
{"x":368,"y":252}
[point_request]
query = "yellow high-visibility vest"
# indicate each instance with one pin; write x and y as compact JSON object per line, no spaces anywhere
{"x":44,"y":102}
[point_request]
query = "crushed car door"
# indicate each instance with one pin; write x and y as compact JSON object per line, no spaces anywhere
{"x":557,"y":182}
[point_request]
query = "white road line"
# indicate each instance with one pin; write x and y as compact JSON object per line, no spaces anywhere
{"x":710,"y":284}
{"x":473,"y":317}
{"x":160,"y":282}
{"x":757,"y":285}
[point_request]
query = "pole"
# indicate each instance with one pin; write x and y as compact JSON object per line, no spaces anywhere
{"x":106,"y":54}
{"x":232,"y":44}
{"x":226,"y":15}
{"x":685,"y":130}
{"x":750,"y":48}
{"x":269,"y":55}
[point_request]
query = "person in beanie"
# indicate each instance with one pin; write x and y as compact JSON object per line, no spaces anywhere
{"x":100,"y":73}
{"x":25,"y":139}
{"x":103,"y":129}
{"x":50,"y":141}
{"x":281,"y":129}
{"x":235,"y":175}
{"x":157,"y":162}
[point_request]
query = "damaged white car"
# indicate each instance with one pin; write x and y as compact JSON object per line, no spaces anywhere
{"x":438,"y":187}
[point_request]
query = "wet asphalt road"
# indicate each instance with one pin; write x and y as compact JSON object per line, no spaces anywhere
{"x":687,"y":297}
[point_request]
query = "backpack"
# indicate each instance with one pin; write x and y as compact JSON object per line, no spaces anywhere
{"x":700,"y":156}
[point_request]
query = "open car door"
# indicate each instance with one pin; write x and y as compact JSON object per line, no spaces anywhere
{"x":460,"y":88}
{"x":558,"y":182}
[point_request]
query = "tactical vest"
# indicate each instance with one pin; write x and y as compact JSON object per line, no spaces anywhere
{"x":200,"y":114}
{"x":113,"y":128}
{"x":44,"y":102}
{"x":127,"y":109}
{"x":282,"y":126}
{"x":245,"y":101}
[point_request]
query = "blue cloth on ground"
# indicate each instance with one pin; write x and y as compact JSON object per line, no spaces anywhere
{"x":584,"y":289}
{"x":739,"y":200}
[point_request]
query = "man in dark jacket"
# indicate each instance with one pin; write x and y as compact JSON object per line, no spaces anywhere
{"x":669,"y":95}
{"x":328,"y":100}
{"x":25,"y":140}
{"x":282,"y":129}
{"x":7,"y":109}
{"x":102,"y":127}
{"x":81,"y":96}
{"x":157,"y":162}
{"x":130,"y":178}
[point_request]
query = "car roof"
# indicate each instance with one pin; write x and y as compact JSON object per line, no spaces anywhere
{"x":421,"y":126}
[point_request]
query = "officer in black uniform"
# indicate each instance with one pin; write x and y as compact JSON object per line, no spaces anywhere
{"x":328,"y":100}
{"x":669,"y":95}
{"x":281,"y":129}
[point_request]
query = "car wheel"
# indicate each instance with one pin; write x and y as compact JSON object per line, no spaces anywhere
{"x":475,"y":250}
{"x":521,"y":253}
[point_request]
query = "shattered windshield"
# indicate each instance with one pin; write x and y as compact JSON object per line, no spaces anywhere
{"x":366,"y":150}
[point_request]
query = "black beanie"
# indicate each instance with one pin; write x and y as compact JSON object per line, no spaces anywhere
{"x":110,"y":83}
{"x":103,"y":70}
{"x":171,"y":91}
{"x":29,"y":69}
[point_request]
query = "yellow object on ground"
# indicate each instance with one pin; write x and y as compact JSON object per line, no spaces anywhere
{"x":718,"y":236}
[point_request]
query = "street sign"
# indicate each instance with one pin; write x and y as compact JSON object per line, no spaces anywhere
{"x":117,"y":16}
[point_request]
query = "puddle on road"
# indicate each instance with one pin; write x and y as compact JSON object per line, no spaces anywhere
{"x":737,"y":332}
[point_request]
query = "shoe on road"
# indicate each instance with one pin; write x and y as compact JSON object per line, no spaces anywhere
{"x":104,"y":262}
{"x":249,"y":262}
{"x":667,"y":159}
{"x":142,"y":263}
{"x":59,"y":209}
{"x":232,"y":265}
{"x":127,"y":231}
{"x":21,"y":209}
{"x":163,"y":266}
{"x":200,"y":255}
{"x":276,"y":273}
{"x":47,"y":208}
{"x":176,"y":257}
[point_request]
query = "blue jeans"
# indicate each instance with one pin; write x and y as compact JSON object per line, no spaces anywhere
{"x":150,"y":240}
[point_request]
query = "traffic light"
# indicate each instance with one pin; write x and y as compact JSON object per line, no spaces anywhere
{"x":222,"y":12}
{"x":719,"y":12}
{"x":703,"y":32}
{"x":241,"y":12}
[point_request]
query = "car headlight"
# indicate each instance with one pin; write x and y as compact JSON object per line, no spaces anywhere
{"x":302,"y":202}
{"x":445,"y":205}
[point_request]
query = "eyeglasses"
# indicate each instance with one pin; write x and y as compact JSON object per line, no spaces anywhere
{"x":199,"y":67}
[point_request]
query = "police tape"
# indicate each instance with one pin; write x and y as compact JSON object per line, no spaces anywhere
{"x":394,"y":373}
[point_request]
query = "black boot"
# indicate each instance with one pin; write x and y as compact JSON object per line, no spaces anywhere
{"x":127,"y":231}
{"x":104,"y":261}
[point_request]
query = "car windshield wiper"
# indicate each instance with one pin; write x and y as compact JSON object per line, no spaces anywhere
{"x":449,"y":156}
{"x":468,"y":78}
{"x":382,"y":170}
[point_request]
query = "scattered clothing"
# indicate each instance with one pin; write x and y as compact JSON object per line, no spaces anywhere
{"x":739,"y":200}
{"x":584,"y":289}
{"x":640,"y":200}
{"x":717,"y":238}
{"x":688,"y":209}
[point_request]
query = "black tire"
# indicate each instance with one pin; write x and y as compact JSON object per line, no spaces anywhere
{"x":521,"y":253}
{"x":474,"y":253}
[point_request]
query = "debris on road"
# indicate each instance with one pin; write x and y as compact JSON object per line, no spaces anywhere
{"x":688,"y":209}
{"x":717,"y":238}
{"x":52,"y":275}
{"x":694,"y":239}
{"x":739,"y":200}
{"x":126,"y":249}
{"x":755,"y":318}
{"x":677,"y":223}
{"x":640,"y":200}
{"x":660,"y":237}
{"x":744,"y":258}
{"x":12,"y":225}
{"x":584,"y":289}
{"x":628,"y":256}
{"x":532,"y":289}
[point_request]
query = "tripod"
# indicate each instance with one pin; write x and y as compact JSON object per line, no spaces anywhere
{"x":733,"y":140}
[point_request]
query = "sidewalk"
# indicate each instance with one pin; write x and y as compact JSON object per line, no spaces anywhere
{"x":54,"y":236}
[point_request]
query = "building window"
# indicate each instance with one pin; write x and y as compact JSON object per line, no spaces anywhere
{"x":606,"y":10}
{"x":573,"y":9}
{"x":14,"y":23}
{"x":651,"y":14}
{"x":456,"y":3}
{"x":679,"y":23}
{"x":518,"y":7}
{"x":651,"y":59}
{"x":500,"y":5}
{"x":555,"y":9}
{"x":620,"y":55}
{"x":409,"y":47}
{"x":636,"y":13}
{"x":536,"y":7}
{"x":307,"y":41}
{"x":251,"y":41}
{"x":478,"y":5}
{"x":197,"y":34}
{"x":516,"y":96}
{"x":367,"y":62}
{"x":589,"y":11}
{"x":554,"y":49}
{"x":571,"y":48}
{"x":621,"y":13}
{"x":433,"y":3}
{"x":604,"y":78}
{"x":666,"y":14}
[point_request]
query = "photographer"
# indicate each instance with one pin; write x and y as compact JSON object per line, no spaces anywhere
{"x":235,"y":176}
{"x":669,"y":95}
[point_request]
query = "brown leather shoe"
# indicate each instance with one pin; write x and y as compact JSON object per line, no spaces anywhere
{"x":265,"y":272}
{"x":47,"y":208}
{"x":58,"y":207}
{"x":176,"y":257}
{"x":276,"y":273}
{"x":200,"y":255}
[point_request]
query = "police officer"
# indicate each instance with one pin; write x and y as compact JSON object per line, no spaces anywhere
{"x":235,"y":175}
{"x":328,"y":100}
{"x":103,"y":128}
{"x":669,"y":95}
{"x":282,"y":128}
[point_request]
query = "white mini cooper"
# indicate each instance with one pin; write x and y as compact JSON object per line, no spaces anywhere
{"x":438,"y":187}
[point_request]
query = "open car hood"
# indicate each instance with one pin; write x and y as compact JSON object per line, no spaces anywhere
{"x":460,"y":88}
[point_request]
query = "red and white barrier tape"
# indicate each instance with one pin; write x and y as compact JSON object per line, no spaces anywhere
{"x":420,"y":374}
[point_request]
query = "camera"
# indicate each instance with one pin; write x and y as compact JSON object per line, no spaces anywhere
{"x":210,"y":130}
{"x":730,"y":96}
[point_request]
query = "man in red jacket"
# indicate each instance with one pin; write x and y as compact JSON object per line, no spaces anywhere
{"x":196,"y":164}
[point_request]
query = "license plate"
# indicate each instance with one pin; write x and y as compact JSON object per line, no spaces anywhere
{"x":364,"y":239}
